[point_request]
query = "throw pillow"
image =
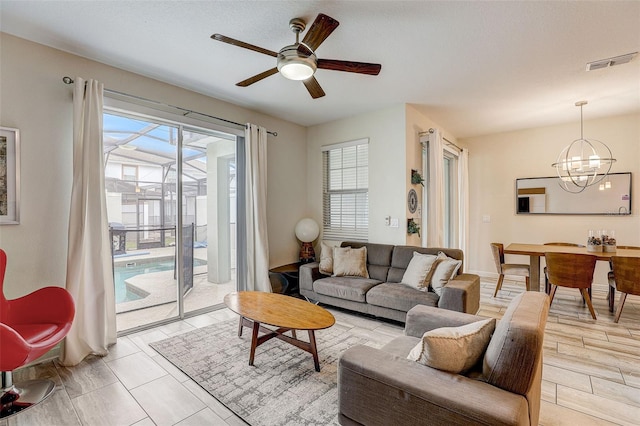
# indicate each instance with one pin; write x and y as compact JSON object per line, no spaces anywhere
{"x":454,"y":349}
{"x":350,"y":262}
{"x":445,"y":269}
{"x":326,"y":259}
{"x":418,"y":271}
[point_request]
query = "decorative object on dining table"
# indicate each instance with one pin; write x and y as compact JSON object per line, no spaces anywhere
{"x":594,"y":242}
{"x":601,"y":241}
{"x":608,"y":241}
{"x":307,"y":230}
{"x":584,"y":162}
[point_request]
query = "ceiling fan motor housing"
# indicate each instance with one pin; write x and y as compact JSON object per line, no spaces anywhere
{"x":295,"y":65}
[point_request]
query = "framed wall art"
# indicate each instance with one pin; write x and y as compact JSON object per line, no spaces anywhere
{"x":9,"y":176}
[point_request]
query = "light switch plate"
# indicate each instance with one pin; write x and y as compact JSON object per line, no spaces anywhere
{"x":394,"y":222}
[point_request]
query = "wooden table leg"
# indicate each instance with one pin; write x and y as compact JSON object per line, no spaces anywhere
{"x":314,"y":349}
{"x":254,"y":341}
{"x":534,"y":270}
{"x":240,"y":326}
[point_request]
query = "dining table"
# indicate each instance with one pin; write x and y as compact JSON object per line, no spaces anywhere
{"x":536,"y":251}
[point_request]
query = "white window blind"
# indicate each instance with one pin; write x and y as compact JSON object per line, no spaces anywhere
{"x":345,"y":203}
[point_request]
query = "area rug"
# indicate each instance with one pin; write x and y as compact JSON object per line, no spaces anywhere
{"x":282,"y":388}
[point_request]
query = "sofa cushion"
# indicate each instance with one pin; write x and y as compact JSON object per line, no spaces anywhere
{"x":418,"y":272}
{"x":350,"y":262}
{"x":445,"y":269}
{"x":454,"y":349}
{"x":402,"y":255}
{"x":517,"y":341}
{"x":326,"y":259}
{"x":348,"y":288}
{"x":400,"y":297}
{"x":378,"y":258}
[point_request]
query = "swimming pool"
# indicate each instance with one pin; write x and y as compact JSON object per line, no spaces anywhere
{"x":124,"y":271}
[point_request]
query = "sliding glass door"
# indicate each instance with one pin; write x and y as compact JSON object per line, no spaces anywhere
{"x":208,"y":216}
{"x":171,"y":201}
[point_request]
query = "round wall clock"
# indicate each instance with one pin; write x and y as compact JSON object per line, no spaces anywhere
{"x":412,"y":200}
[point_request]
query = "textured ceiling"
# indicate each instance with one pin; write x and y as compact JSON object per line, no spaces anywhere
{"x":473,"y":67}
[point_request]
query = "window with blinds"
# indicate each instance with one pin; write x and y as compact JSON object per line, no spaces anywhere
{"x":345,"y":191}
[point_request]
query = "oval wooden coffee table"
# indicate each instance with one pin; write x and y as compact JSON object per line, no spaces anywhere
{"x":285,"y":312}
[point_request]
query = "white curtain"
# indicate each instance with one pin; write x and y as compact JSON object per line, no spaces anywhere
{"x":435,"y":191}
{"x":463,"y":201}
{"x":89,"y":275}
{"x":257,"y":254}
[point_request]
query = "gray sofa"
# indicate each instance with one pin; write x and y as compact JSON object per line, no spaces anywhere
{"x":383,"y":294}
{"x":383,"y":387}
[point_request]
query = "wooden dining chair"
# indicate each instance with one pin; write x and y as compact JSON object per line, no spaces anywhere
{"x":612,"y":287}
{"x":508,"y":268}
{"x":626,"y":279}
{"x":547,"y":287}
{"x":571,"y":270}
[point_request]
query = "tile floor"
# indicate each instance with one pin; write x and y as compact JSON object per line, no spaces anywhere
{"x":591,"y":372}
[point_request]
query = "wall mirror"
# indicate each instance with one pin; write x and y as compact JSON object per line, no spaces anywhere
{"x":544,"y":195}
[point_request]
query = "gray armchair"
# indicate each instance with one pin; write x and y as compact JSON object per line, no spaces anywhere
{"x":383,"y":387}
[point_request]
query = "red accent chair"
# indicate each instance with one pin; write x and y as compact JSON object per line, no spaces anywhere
{"x":29,"y":327}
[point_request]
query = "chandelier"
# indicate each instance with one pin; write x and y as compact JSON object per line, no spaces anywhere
{"x":584,"y":162}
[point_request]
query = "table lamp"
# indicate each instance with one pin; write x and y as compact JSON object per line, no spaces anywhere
{"x":307,"y":230}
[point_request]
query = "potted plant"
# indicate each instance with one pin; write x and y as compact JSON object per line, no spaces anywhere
{"x":413,"y":227}
{"x":416,"y":178}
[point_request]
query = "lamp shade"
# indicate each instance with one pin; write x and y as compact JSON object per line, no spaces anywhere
{"x":307,"y":230}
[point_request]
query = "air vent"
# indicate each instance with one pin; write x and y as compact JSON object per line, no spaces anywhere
{"x":605,"y":63}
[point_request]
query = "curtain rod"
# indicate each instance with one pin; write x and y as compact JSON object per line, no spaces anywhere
{"x":69,"y":80}
{"x":431,"y":130}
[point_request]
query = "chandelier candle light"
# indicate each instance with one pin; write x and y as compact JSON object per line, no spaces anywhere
{"x":584,"y":162}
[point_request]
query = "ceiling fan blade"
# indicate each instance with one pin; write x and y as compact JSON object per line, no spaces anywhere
{"x":349,"y":66}
{"x":258,"y":77}
{"x":313,"y":87}
{"x":321,"y":28}
{"x":239,"y":43}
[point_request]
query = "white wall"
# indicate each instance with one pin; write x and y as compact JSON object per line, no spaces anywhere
{"x":394,"y":149}
{"x":496,"y":161}
{"x":34,"y":100}
{"x":387,"y":181}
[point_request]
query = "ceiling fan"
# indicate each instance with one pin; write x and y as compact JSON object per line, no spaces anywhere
{"x":298,"y":61}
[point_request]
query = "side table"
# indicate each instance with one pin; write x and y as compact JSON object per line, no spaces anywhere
{"x":284,"y":279}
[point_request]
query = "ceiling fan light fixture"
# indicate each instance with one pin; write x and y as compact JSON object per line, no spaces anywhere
{"x":294,"y":65}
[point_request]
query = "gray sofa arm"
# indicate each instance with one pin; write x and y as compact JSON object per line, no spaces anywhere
{"x":421,"y":319}
{"x":378,"y":388}
{"x":309,"y":272}
{"x":461,"y":294}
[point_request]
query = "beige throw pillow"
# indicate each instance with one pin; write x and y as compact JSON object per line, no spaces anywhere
{"x":350,"y":262}
{"x":454,"y":349}
{"x":418,"y":271}
{"x":326,"y":259}
{"x":445,"y":269}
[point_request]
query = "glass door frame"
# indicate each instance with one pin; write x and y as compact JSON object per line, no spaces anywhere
{"x":115,"y":104}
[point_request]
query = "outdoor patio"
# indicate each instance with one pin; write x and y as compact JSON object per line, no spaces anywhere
{"x":155,"y":293}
